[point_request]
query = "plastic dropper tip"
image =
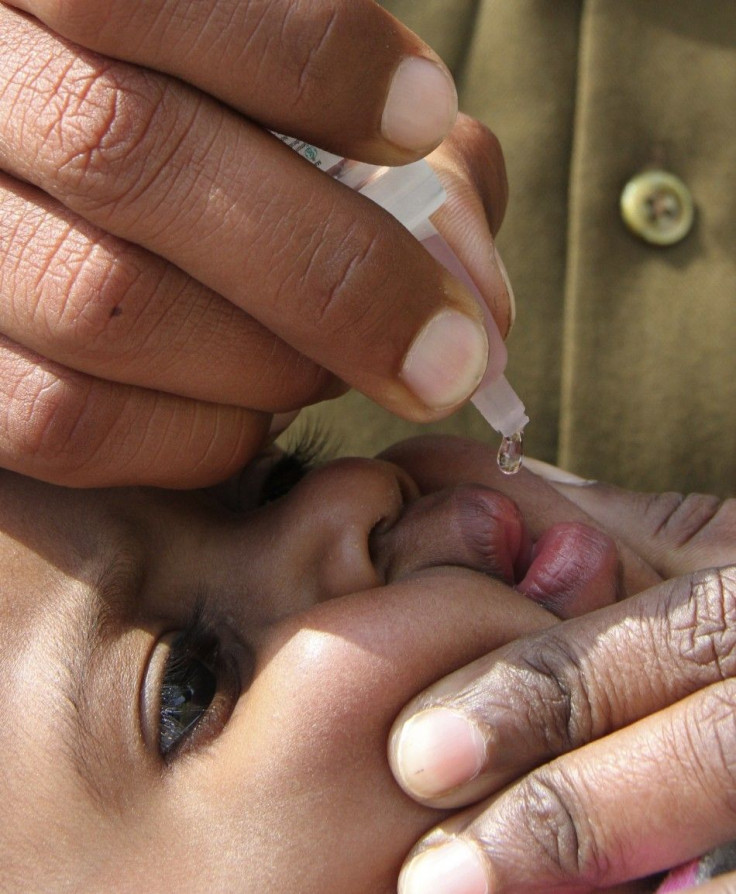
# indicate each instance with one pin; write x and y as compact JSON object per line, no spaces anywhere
{"x":502,"y":409}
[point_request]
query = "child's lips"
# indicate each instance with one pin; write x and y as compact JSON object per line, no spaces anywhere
{"x":570,"y":569}
{"x":573,"y":569}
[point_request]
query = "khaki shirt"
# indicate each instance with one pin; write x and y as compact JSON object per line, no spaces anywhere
{"x":623,"y":351}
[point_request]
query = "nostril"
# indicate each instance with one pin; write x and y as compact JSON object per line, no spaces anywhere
{"x":408,"y":489}
{"x":382,"y":526}
{"x":380,"y":533}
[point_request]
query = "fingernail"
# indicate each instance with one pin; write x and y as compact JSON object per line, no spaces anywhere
{"x":446,"y":361}
{"x":421,"y":105}
{"x":453,"y":868}
{"x":436,"y":751}
{"x":553,"y":474}
{"x":509,"y":289}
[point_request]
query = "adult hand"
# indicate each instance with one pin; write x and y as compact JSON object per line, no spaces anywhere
{"x":172,"y":275}
{"x":626,"y":712}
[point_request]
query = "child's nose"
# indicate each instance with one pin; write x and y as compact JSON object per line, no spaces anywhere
{"x":328,"y":521}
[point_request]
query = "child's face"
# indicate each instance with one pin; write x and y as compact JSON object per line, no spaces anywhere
{"x":311,"y":620}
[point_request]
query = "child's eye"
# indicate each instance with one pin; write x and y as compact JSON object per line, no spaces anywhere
{"x":189,"y":693}
{"x":188,"y":688}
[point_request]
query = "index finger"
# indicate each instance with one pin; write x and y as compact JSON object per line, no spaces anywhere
{"x":148,"y":159}
{"x":343,"y":74}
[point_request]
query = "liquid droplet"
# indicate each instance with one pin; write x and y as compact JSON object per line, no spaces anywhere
{"x":511,"y":453}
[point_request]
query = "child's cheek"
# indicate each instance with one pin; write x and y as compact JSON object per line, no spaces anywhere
{"x":299,"y":782}
{"x":303,"y":758}
{"x":330,"y":681}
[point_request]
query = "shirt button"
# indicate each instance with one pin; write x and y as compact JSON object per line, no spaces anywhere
{"x":657,"y":207}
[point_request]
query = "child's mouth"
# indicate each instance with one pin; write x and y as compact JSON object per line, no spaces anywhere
{"x":574,"y":569}
{"x":571,"y":568}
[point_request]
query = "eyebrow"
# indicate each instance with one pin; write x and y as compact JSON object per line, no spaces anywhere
{"x":89,"y":731}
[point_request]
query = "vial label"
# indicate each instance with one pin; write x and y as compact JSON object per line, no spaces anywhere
{"x":326,"y":161}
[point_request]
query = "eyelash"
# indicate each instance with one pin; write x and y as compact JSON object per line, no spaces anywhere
{"x":312,"y":448}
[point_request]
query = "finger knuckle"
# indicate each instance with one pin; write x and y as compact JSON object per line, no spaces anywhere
{"x":339,"y":274}
{"x":561,"y":701}
{"x":107,"y":310}
{"x":308,"y":38}
{"x":314,"y":50}
{"x":47,"y":412}
{"x":717,"y":531}
{"x":83,"y":288}
{"x":679,"y":518}
{"x":727,"y":514}
{"x":485,"y":144}
{"x":705,"y":625}
{"x":561,"y":832}
{"x":485,"y":164}
{"x":100,"y":129}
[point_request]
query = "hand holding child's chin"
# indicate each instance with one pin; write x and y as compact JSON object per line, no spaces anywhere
{"x":646,"y":681}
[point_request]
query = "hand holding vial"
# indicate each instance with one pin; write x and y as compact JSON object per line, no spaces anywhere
{"x":412,"y":194}
{"x":601,"y":750}
{"x":172,"y":275}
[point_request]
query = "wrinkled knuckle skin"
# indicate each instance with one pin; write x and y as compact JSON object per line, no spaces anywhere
{"x":312,"y":43}
{"x":680,"y":519}
{"x":84,"y":289}
{"x":342,"y":277}
{"x":562,"y":708}
{"x":47,"y":420}
{"x":99,"y":130}
{"x":558,"y":838}
{"x":706,"y":629}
